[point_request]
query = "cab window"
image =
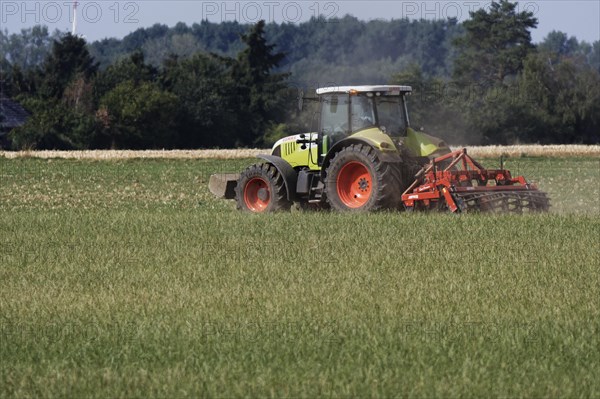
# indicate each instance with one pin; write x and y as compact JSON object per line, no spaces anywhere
{"x":363,"y":114}
{"x":390,"y":115}
{"x":334,"y":116}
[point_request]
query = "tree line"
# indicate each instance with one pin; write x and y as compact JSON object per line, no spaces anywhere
{"x":229,"y":85}
{"x":204,"y":100}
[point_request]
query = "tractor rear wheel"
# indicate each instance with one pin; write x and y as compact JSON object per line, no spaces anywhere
{"x":261,"y":188}
{"x":357,"y":180}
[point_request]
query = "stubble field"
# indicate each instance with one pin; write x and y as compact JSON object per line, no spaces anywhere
{"x":125,"y":278}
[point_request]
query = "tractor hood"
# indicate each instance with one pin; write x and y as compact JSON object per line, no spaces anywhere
{"x":424,"y":145}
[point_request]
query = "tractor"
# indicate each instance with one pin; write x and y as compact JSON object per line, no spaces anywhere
{"x":365,"y":156}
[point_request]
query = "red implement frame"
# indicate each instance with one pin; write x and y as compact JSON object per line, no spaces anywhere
{"x":454,"y":179}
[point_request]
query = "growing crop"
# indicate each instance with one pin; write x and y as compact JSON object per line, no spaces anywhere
{"x":125,"y":278}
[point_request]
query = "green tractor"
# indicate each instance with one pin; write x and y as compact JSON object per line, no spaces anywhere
{"x":362,"y":157}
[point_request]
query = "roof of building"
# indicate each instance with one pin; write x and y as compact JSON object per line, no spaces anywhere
{"x":12,"y":114}
{"x":389,"y":90}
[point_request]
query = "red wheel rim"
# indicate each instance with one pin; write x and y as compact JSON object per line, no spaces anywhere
{"x":354,"y":184}
{"x":257,"y":195}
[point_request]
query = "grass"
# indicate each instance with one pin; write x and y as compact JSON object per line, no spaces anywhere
{"x":125,"y":278}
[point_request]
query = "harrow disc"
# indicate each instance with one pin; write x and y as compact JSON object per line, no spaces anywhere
{"x":503,"y":202}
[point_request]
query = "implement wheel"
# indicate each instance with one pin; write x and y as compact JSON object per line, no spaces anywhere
{"x":260,"y":188}
{"x":358,"y":181}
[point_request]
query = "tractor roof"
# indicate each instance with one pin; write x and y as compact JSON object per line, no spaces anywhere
{"x":390,"y":90}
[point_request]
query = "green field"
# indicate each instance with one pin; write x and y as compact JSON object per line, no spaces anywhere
{"x":125,"y":278}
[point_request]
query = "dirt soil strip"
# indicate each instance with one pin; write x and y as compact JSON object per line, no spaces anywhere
{"x":477,"y":152}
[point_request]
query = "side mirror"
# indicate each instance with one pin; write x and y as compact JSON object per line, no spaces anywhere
{"x":302,"y":141}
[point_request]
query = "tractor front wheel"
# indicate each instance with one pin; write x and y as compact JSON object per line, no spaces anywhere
{"x":358,"y":181}
{"x":261,"y":188}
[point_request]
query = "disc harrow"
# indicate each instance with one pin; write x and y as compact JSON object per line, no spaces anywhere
{"x":458,"y":183}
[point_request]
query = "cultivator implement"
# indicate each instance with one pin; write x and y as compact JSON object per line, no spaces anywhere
{"x":458,"y":183}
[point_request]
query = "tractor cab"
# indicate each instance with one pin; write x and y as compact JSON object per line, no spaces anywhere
{"x":346,"y":110}
{"x":375,"y":112}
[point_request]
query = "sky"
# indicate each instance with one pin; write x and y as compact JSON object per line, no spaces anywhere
{"x":110,"y":18}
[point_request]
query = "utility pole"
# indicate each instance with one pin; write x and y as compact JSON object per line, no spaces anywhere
{"x":74,"y":29}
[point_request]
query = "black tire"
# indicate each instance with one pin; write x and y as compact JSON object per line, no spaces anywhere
{"x":261,"y":188}
{"x":382,"y":189}
{"x":411,"y":165}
